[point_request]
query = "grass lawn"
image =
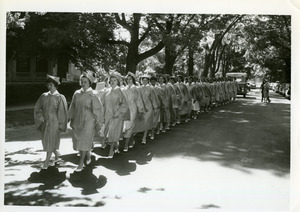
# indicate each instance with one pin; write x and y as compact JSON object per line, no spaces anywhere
{"x":18,"y":118}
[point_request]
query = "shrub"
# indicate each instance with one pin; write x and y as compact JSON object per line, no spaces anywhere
{"x":18,"y":93}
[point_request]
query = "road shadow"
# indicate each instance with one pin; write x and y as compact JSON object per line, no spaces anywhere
{"x":241,"y":135}
{"x":49,"y":177}
{"x":86,"y":180}
{"x":123,"y":163}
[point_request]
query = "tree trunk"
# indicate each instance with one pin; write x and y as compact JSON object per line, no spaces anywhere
{"x":191,"y":62}
{"x":212,"y":56}
{"x":170,"y":59}
{"x":206,"y":65}
{"x":132,"y":56}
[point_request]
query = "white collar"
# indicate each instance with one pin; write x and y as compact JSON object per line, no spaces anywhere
{"x":89,"y":89}
{"x":54,"y":93}
{"x":115,"y":88}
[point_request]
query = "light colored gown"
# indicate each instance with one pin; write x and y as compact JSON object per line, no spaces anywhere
{"x":50,"y":115}
{"x":156,"y":102}
{"x":173,"y":103}
{"x":185,"y":106}
{"x":146,"y":123}
{"x":86,"y":115}
{"x":116,"y":111}
{"x":136,"y":106}
{"x":201,"y":94}
{"x":192,"y":88}
{"x":164,"y":109}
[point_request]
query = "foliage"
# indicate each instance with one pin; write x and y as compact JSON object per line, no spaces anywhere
{"x":190,"y":43}
{"x":77,"y":37}
{"x":269,"y":41}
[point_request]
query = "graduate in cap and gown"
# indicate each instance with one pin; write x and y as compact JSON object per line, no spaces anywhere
{"x":86,"y":118}
{"x":146,"y":124}
{"x":116,"y":111}
{"x":51,"y":118}
{"x":136,"y":108}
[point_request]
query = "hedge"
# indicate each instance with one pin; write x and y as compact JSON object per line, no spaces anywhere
{"x":18,"y":93}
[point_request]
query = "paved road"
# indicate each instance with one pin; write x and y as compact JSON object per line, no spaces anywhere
{"x":236,"y":156}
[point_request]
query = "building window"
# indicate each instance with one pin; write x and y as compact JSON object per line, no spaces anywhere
{"x":23,"y":64}
{"x":41,"y":65}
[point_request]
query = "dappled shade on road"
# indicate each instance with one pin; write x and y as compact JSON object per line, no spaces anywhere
{"x":87,"y":181}
{"x":50,"y":177}
{"x":243,"y":136}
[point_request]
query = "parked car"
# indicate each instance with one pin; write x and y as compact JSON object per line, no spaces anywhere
{"x":288,"y":92}
{"x":283,"y":89}
{"x":273,"y":85}
{"x":241,"y":78}
{"x":252,"y":85}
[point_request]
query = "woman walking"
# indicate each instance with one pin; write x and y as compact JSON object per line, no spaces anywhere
{"x":156,"y":97}
{"x":147,"y":96}
{"x":86,"y":116}
{"x":136,"y":108}
{"x":116,"y":111}
{"x":50,"y":115}
{"x":185,"y":105}
{"x":164,"y":109}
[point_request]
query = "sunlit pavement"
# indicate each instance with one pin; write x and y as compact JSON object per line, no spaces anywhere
{"x":233,"y":157}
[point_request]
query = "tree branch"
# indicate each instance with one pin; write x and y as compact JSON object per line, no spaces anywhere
{"x":219,"y":60}
{"x":143,"y":37}
{"x":160,"y":27}
{"x":191,"y":18}
{"x":151,"y":52}
{"x":123,"y":22}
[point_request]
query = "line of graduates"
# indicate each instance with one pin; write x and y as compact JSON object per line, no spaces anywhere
{"x":124,"y":107}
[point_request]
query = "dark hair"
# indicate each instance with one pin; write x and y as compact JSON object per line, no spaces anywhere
{"x":145,"y":78}
{"x":90,"y":83}
{"x":181,"y":77}
{"x":153,"y":78}
{"x":49,"y":80}
{"x":116,"y":79}
{"x":132,"y":78}
{"x":173,"y":78}
{"x":164,"y":78}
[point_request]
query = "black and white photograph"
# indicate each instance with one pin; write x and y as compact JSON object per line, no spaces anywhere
{"x":162,"y":106}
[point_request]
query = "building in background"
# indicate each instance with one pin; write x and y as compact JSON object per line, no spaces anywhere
{"x":35,"y":69}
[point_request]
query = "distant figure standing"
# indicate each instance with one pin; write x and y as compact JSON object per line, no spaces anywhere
{"x":262,"y":90}
{"x":266,"y":91}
